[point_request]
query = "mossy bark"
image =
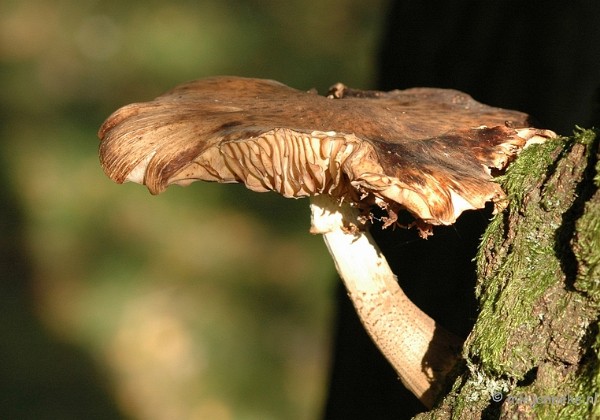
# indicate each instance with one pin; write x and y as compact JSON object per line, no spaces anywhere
{"x":535,"y":349}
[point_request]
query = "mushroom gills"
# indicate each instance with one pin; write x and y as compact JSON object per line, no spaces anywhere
{"x":294,"y":164}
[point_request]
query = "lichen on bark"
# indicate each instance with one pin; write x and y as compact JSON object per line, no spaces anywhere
{"x":534,"y":349}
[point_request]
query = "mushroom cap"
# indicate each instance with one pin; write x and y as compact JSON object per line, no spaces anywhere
{"x":430,"y":151}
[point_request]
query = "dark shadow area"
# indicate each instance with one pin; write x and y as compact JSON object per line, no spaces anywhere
{"x":539,"y":57}
{"x":362,"y":383}
{"x":442,"y":380}
{"x":41,"y":377}
{"x":438,"y":275}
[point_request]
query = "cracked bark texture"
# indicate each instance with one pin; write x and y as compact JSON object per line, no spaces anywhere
{"x":535,"y":348}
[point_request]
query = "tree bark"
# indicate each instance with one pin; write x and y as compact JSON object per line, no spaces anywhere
{"x":535,"y":348}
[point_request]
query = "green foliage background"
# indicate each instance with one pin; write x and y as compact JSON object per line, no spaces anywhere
{"x":209,"y":302}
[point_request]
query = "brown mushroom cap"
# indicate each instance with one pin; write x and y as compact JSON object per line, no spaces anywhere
{"x":429,"y":151}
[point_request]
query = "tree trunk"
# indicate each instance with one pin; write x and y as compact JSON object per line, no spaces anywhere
{"x":534,"y":349}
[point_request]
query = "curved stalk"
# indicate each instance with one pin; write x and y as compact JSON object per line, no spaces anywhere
{"x":419,"y":349}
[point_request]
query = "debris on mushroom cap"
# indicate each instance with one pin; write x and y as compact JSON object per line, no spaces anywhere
{"x":429,"y":151}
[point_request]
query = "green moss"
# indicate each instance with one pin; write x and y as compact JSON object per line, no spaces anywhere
{"x":520,"y":259}
{"x":524,"y":173}
{"x":587,"y":242}
{"x":584,"y":386}
{"x":594,"y":374}
{"x":539,"y":292}
{"x":584,"y":136}
{"x":507,"y":293}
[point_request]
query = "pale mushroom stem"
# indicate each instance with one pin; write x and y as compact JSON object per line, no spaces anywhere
{"x":419,"y":349}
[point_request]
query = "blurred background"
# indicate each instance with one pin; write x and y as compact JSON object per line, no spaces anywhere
{"x":207,"y":302}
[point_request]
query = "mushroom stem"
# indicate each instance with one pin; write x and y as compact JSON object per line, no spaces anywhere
{"x":419,"y":349}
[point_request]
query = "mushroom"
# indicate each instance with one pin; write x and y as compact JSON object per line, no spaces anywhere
{"x":429,"y":152}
